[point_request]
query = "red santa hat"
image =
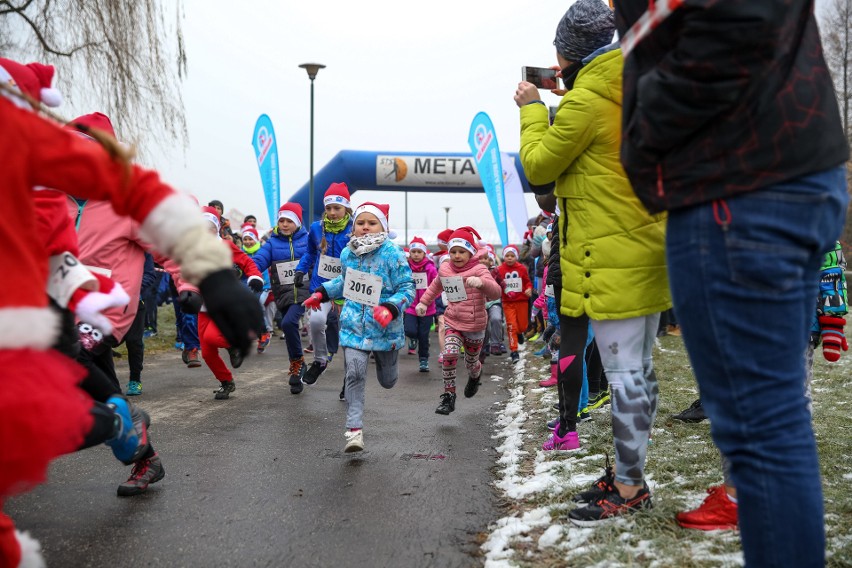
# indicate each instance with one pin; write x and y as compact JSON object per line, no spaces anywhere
{"x":441,"y":256}
{"x":33,"y":79}
{"x":380,"y":210}
{"x":511,"y":249}
{"x":249,"y":230}
{"x":465,"y":237}
{"x":337,"y":194}
{"x":210,"y":214}
{"x":95,"y":120}
{"x":418,"y":243}
{"x":292,"y":211}
{"x":444,"y":236}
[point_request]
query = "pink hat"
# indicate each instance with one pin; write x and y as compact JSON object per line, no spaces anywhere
{"x":337,"y":194}
{"x":418,"y":244}
{"x":211,"y":215}
{"x":33,"y":79}
{"x":465,"y":237}
{"x":380,"y":210}
{"x":292,"y":211}
{"x":249,"y":230}
{"x":511,"y":248}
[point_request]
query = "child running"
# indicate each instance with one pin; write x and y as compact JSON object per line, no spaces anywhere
{"x":376,"y":281}
{"x":250,"y":246}
{"x":326,"y":240}
{"x":468,"y":285}
{"x":208,"y":334}
{"x":517,"y":289}
{"x":417,"y":327}
{"x":282,"y":252}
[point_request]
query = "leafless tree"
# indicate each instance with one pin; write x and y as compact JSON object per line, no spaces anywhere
{"x":836,"y":31}
{"x":124,"y":58}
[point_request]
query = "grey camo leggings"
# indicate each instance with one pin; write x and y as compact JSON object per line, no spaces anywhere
{"x":626,"y":349}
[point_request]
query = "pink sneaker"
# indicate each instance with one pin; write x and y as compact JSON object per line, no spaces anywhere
{"x":551,"y":382}
{"x":570,"y":442}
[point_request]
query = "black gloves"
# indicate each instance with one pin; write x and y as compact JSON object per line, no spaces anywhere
{"x":298,"y":278}
{"x":256,"y":285}
{"x":234,"y":310}
{"x":190,"y":302}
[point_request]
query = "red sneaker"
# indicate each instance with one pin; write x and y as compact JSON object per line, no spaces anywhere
{"x":717,"y":512}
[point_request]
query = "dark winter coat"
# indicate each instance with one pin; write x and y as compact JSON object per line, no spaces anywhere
{"x":724,"y":98}
{"x":280,"y":249}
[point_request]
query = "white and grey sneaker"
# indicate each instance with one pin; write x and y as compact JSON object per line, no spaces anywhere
{"x":354,"y":441}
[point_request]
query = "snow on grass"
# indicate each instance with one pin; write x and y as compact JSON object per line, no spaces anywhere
{"x":847,"y":476}
{"x":551,"y":536}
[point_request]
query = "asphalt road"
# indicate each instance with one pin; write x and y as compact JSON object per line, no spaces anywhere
{"x":261,"y":480}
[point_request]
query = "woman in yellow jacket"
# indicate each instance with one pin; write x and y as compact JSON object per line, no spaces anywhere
{"x":612,"y":252}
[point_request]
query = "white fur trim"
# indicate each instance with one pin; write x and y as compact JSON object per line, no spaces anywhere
{"x":51,"y":97}
{"x":286,"y":214}
{"x":512,"y":249}
{"x":30,"y":551}
{"x":467,"y":245}
{"x":336,"y":200}
{"x":372,"y":209}
{"x":250,"y":278}
{"x":211,"y":218}
{"x":169,"y":220}
{"x":90,"y":308}
{"x":418,"y":246}
{"x":21,"y":328}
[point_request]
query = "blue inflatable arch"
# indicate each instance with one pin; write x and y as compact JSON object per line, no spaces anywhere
{"x":397,"y":171}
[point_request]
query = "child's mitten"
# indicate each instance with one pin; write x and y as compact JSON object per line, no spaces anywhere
{"x":474,"y":281}
{"x":382,"y":315}
{"x":314,"y":301}
{"x":833,"y":339}
{"x":420,"y":309}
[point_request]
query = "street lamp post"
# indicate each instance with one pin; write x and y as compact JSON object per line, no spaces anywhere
{"x":447,"y":218}
{"x":312,"y":69}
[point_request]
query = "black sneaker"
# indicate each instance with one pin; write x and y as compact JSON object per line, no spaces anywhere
{"x":297,"y":370}
{"x":602,"y":485}
{"x":521,"y":339}
{"x":598,"y":399}
{"x":610,"y":506}
{"x":584,"y":415}
{"x":448,"y":403}
{"x":471,"y":387}
{"x":313,"y":373}
{"x":235,"y":356}
{"x":515,"y":357}
{"x":225,"y":390}
{"x":144,"y":473}
{"x":693,"y":414}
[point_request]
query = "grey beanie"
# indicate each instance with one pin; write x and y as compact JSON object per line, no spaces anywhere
{"x":587,"y":26}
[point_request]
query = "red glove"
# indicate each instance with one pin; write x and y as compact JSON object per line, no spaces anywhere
{"x":382,"y":315}
{"x":314,"y":301}
{"x":833,"y":340}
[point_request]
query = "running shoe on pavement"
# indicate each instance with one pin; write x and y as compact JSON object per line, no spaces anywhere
{"x":191,"y":358}
{"x":297,"y":369}
{"x":354,"y":441}
{"x":314,"y":371}
{"x":144,"y":472}
{"x":263,"y":342}
{"x":424,"y":365}
{"x":235,"y":356}
{"x":448,"y":403}
{"x":225,"y":390}
{"x":134,"y":388}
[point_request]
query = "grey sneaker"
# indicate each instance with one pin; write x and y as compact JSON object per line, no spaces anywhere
{"x":144,"y":473}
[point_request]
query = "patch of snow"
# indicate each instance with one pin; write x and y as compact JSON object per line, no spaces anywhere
{"x":847,"y":476}
{"x":497,"y":549}
{"x":550,"y":537}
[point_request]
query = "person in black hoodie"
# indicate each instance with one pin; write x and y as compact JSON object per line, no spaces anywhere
{"x":730,"y":123}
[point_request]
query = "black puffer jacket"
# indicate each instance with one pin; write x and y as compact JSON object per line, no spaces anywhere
{"x":726,"y":97}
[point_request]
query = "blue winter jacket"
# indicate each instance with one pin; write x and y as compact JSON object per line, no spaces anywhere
{"x":336,"y":243}
{"x":283,"y":249}
{"x":358,"y":329}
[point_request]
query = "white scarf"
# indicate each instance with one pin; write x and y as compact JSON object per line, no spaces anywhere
{"x":368,"y":243}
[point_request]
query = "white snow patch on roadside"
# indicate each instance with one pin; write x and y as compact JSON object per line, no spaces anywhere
{"x":550,"y":537}
{"x":497,"y":549}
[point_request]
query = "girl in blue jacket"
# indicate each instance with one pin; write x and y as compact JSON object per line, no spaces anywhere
{"x":377,"y":284}
{"x":280,"y":255}
{"x":326,"y":240}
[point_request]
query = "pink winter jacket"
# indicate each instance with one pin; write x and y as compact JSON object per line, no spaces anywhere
{"x":470,"y":314}
{"x":428,"y":267}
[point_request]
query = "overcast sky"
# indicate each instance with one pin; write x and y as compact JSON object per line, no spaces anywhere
{"x":399,"y":77}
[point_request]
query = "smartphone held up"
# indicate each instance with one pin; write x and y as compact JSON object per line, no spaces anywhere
{"x":541,"y":77}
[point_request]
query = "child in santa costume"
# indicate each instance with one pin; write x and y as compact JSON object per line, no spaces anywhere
{"x":377,"y":284}
{"x":208,"y":333}
{"x":250,"y":246}
{"x":281,"y":256}
{"x":327,"y":239}
{"x":39,"y":381}
{"x":417,"y":327}
{"x":517,"y":289}
{"x":467,"y":284}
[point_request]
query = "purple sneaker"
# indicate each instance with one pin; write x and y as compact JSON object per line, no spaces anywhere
{"x":570,"y":442}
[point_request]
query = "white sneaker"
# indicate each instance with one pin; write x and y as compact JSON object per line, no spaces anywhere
{"x":354,"y":441}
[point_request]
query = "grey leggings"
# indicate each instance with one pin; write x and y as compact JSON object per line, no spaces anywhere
{"x":356,"y":362}
{"x":626,"y":348}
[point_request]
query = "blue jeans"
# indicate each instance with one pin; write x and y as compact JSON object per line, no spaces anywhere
{"x":289,"y":323}
{"x":744,"y":274}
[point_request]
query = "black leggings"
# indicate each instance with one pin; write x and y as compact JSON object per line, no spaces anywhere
{"x":569,"y":368}
{"x":594,"y":370}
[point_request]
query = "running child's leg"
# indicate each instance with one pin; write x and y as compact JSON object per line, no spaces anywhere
{"x":355,"y":374}
{"x":452,"y":348}
{"x":212,"y":340}
{"x":424,"y":324}
{"x":387,"y":367}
